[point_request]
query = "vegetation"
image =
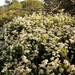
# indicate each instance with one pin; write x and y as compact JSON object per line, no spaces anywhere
{"x":36,"y":41}
{"x":16,"y":8}
{"x":16,"y":5}
{"x":56,"y":5}
{"x":37,"y":44}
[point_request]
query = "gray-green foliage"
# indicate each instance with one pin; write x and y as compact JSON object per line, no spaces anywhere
{"x":52,"y":5}
{"x":32,"y":4}
{"x":16,"y":4}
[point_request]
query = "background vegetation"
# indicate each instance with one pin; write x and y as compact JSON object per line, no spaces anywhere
{"x":47,"y":35}
{"x":14,"y":8}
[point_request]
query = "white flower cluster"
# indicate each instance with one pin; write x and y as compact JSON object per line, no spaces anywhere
{"x":38,"y":45}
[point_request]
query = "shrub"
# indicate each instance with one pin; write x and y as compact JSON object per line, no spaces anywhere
{"x":32,"y":4}
{"x":16,"y":5}
{"x":38,"y":44}
{"x":9,"y":15}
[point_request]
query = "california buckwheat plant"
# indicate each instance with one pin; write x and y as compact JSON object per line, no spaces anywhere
{"x":38,"y":44}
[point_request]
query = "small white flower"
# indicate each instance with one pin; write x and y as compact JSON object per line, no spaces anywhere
{"x":61,"y":45}
{"x":21,"y":70}
{"x":72,"y":41}
{"x":41,"y":65}
{"x":4,"y":69}
{"x":48,"y":71}
{"x":41,"y":72}
{"x":52,"y":58}
{"x":61,"y":70}
{"x":58,"y":33}
{"x":33,"y":65}
{"x":52,"y":74}
{"x":24,"y":59}
{"x":56,"y":60}
{"x":52,"y":63}
{"x":26,"y":51}
{"x":45,"y":61}
{"x":10,"y":57}
{"x":67,"y":41}
{"x":73,"y":31}
{"x":29,"y":70}
{"x":69,"y":74}
{"x":66,"y":62}
{"x":72,"y":67}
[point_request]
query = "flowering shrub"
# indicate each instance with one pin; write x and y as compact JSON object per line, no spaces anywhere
{"x":38,"y":45}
